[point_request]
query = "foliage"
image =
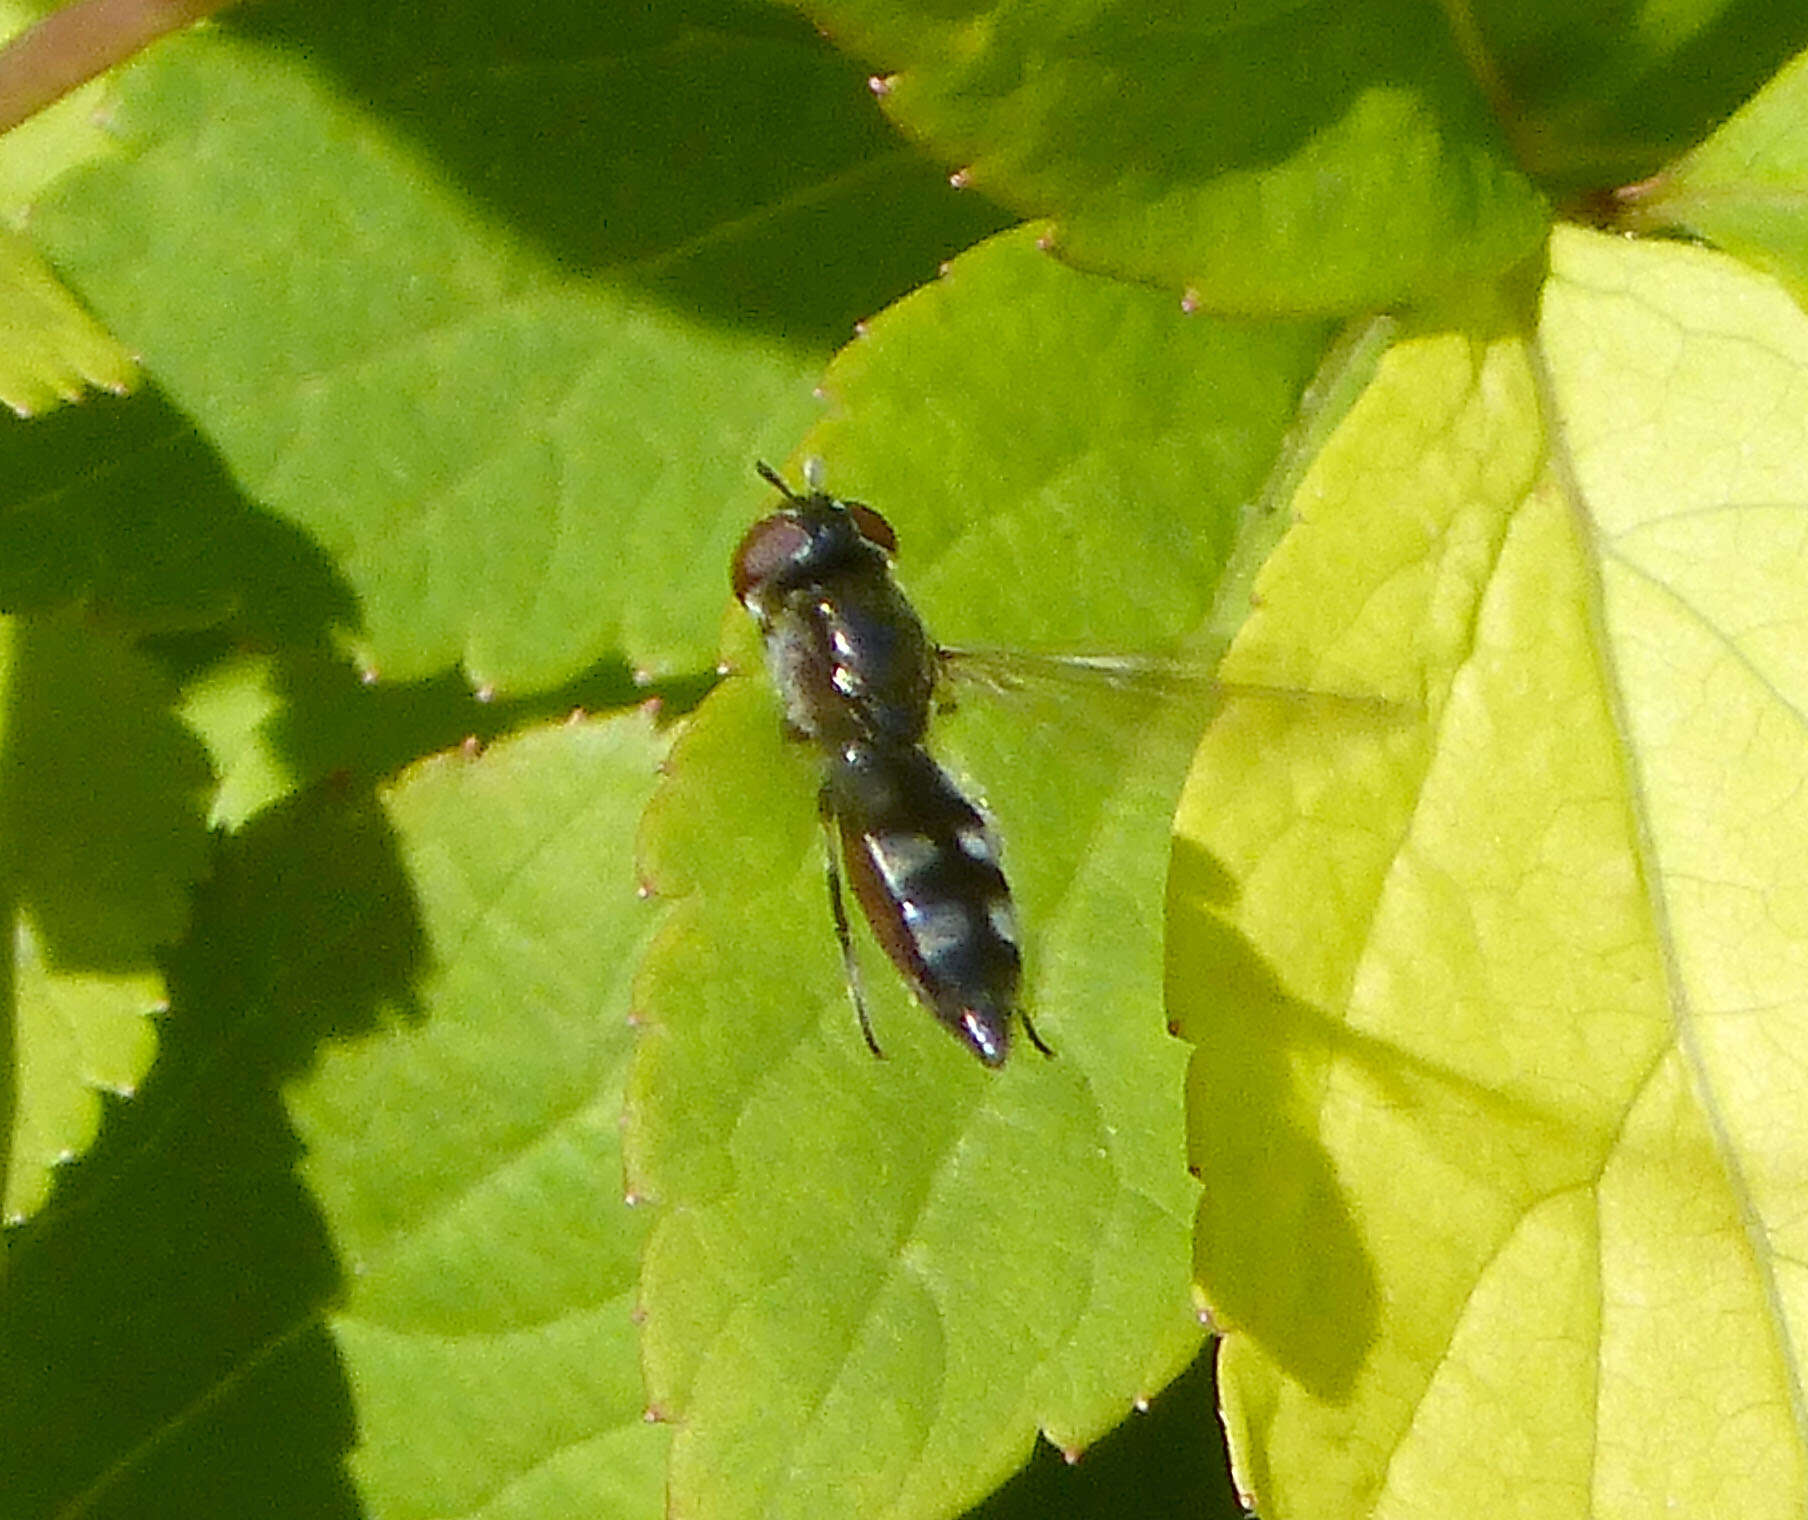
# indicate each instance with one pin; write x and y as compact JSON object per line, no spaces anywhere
{"x":429,"y":1060}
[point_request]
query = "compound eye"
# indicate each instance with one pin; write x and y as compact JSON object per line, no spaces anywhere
{"x":771,"y":546}
{"x":873,"y":528}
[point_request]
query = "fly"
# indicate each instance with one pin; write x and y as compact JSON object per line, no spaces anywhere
{"x":857,"y":673}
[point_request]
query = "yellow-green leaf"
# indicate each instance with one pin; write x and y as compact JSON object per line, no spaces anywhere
{"x":50,"y":349}
{"x":101,"y":814}
{"x":1499,"y":1010}
{"x":1742,"y":187}
{"x":868,"y":1284}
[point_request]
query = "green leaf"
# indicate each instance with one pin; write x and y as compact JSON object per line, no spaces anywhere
{"x":275,"y":727}
{"x":79,"y":1034}
{"x":50,"y":349}
{"x":467,"y":1156}
{"x":868,"y":1284}
{"x":1592,"y":97}
{"x":1742,"y":187}
{"x":1276,"y":158}
{"x":54,"y":141}
{"x":1507,"y":996}
{"x":118,"y":508}
{"x":104,"y":839}
{"x":467,"y":366}
{"x":360,"y":1246}
{"x":232,"y":707}
{"x":462,"y":325}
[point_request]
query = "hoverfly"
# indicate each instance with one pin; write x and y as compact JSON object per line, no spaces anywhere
{"x":857,"y":675}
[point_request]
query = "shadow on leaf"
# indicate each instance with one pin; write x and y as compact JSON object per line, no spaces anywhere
{"x":181,"y":1267}
{"x":119,"y":506}
{"x":716,"y":156}
{"x":1252,"y":1136}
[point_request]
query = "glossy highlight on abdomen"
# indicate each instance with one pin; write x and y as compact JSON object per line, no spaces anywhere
{"x":925,"y":868}
{"x":856,"y":672}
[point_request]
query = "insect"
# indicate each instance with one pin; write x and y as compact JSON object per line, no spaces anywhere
{"x":857,"y":674}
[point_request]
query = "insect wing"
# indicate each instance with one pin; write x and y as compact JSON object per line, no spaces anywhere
{"x":1060,"y":679}
{"x":1079,"y":760}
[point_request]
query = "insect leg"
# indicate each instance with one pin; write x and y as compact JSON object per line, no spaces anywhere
{"x":831,"y":843}
{"x":1035,"y":1039}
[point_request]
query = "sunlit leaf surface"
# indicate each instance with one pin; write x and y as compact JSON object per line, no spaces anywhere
{"x":869,"y":1283}
{"x":1499,"y":1015}
{"x":381,"y":1148}
{"x":450,"y":343}
{"x":50,"y":349}
{"x":466,"y":1154}
{"x":461,"y":326}
{"x":1269,"y":158}
{"x":1742,"y":186}
{"x":102,"y":814}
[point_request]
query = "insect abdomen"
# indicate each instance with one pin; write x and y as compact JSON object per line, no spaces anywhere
{"x":925,"y":868}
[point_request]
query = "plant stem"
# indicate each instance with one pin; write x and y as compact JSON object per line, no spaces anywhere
{"x":71,"y":46}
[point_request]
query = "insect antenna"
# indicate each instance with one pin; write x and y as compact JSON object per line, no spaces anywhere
{"x":773,"y":478}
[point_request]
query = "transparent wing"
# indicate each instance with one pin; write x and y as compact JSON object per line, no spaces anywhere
{"x":1060,"y":678}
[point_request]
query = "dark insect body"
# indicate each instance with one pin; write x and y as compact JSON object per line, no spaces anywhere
{"x":857,"y":674}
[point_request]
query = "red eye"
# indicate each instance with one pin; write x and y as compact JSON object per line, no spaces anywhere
{"x":873,"y":528}
{"x":770,"y":545}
